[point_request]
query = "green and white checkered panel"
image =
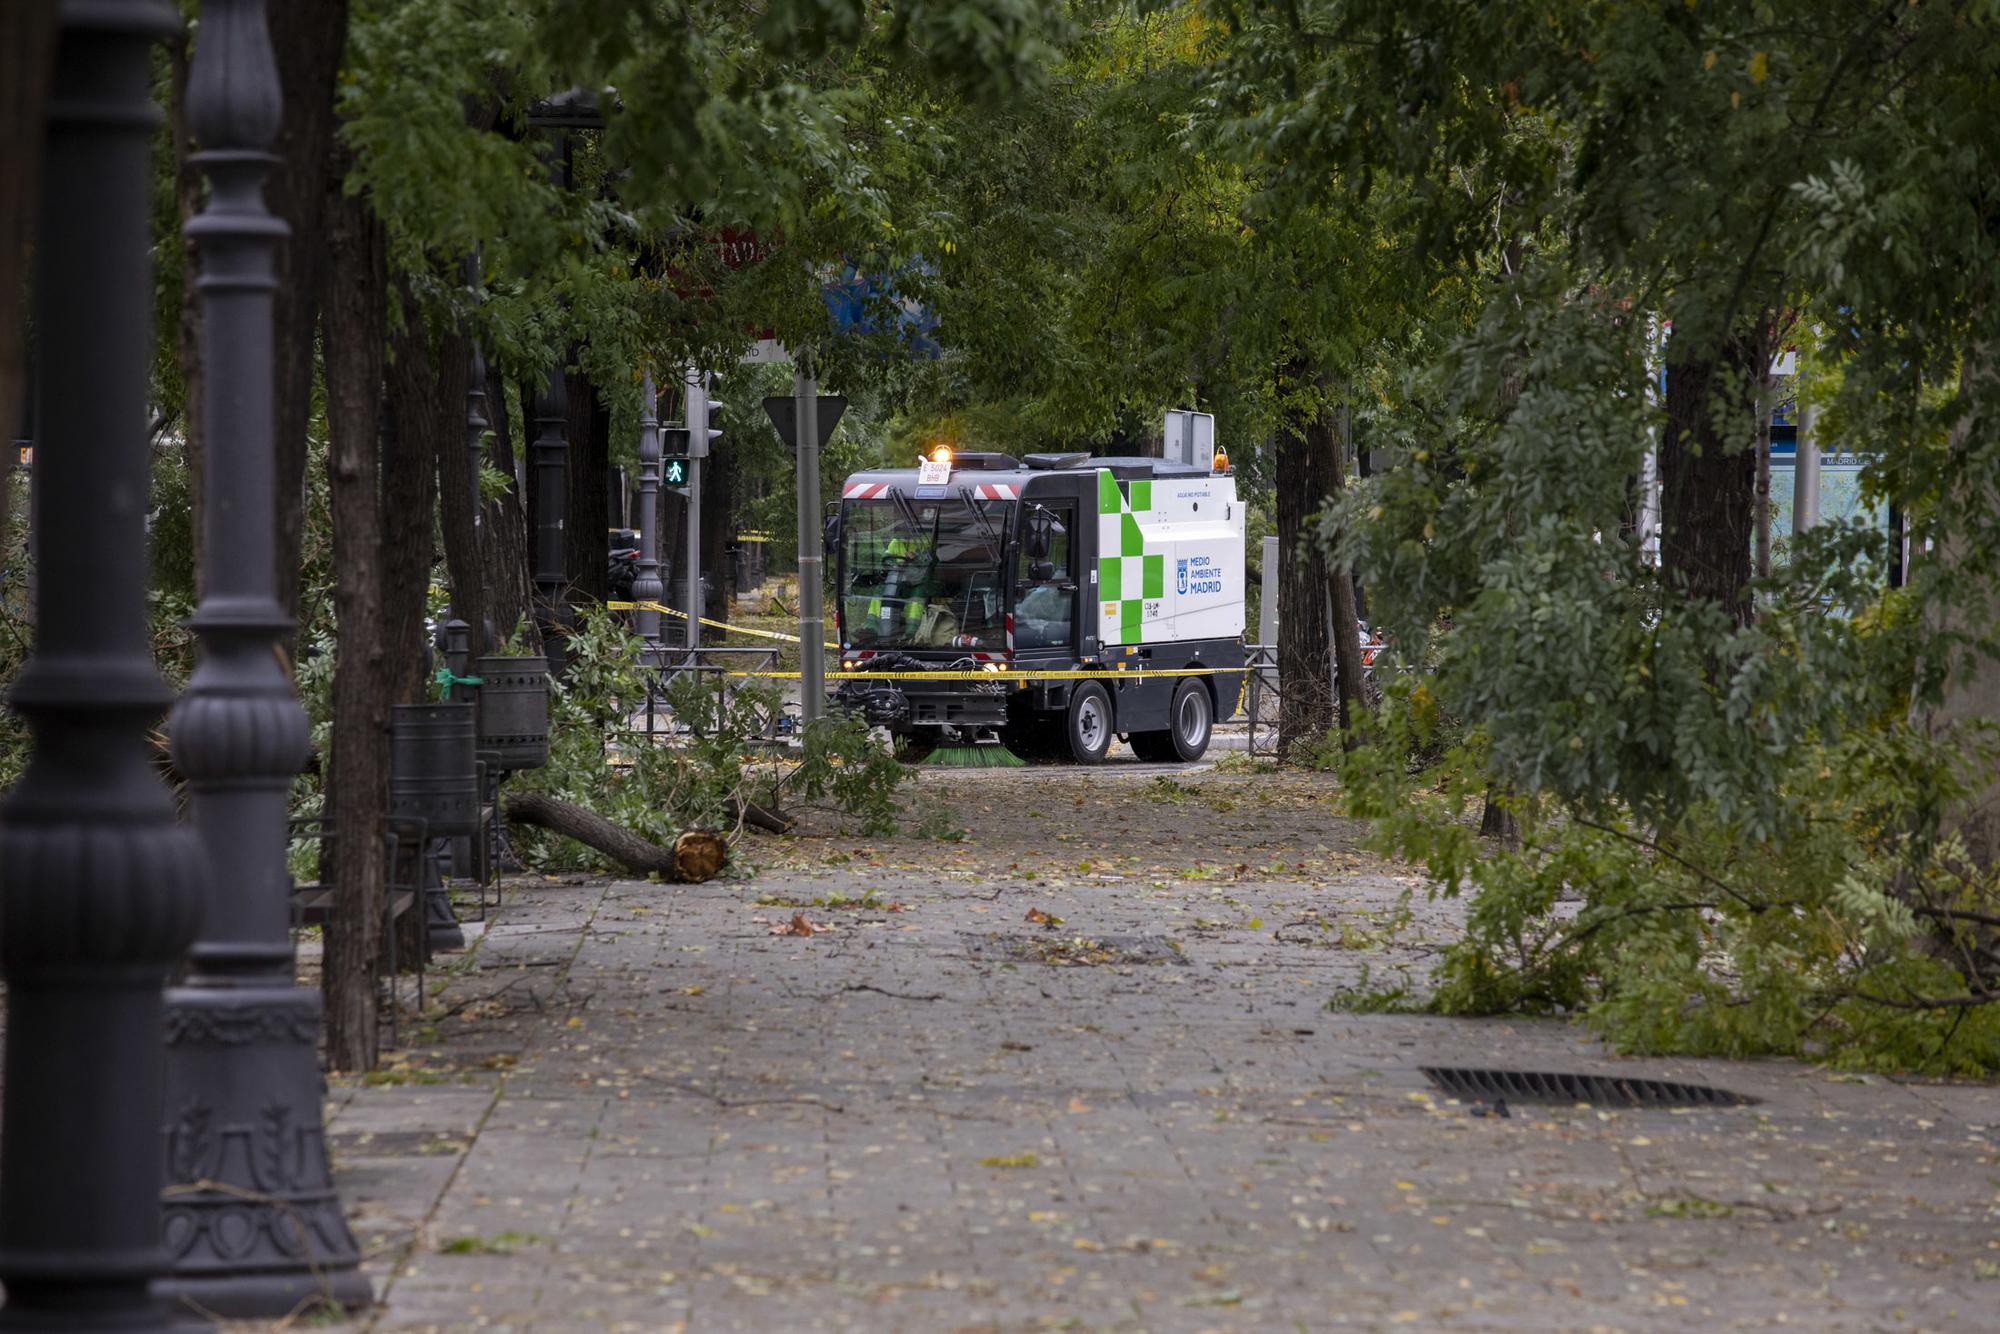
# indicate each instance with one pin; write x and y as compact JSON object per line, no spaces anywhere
{"x":1126,"y":575}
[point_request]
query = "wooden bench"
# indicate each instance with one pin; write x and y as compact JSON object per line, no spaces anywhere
{"x":405,"y":847}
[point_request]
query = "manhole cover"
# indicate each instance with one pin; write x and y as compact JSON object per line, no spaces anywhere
{"x":1068,"y":949}
{"x":1598,"y":1090}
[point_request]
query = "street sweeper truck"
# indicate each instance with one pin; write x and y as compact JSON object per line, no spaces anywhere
{"x":1050,"y":602}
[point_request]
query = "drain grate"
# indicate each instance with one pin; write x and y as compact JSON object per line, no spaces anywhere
{"x":1598,"y":1090}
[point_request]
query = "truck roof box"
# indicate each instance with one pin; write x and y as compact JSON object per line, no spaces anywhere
{"x":984,"y":462}
{"x":1131,"y":466}
{"x":1053,"y":462}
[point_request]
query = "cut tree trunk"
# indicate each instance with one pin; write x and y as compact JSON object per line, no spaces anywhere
{"x":363,"y":685}
{"x":695,"y":856}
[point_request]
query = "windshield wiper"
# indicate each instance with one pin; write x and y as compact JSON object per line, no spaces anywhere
{"x":906,"y":511}
{"x":986,"y":527}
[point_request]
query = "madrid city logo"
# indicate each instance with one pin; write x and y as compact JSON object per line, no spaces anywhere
{"x":1180,"y":576}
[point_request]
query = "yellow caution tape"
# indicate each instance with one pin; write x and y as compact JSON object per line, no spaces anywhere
{"x":997,"y":673}
{"x":719,"y":625}
{"x":1017,"y":675}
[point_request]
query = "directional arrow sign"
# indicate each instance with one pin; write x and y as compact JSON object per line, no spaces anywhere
{"x":783,"y":413}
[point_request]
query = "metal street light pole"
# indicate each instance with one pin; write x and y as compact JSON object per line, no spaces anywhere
{"x":252,"y":1220}
{"x":1805,"y":469}
{"x":812,"y":618}
{"x":646,"y":587}
{"x":101,"y":888}
{"x":697,"y":429}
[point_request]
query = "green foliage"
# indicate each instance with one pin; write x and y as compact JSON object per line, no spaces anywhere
{"x":703,"y":764}
{"x":1846,"y":930}
{"x":939,"y":822}
{"x":844,"y":759}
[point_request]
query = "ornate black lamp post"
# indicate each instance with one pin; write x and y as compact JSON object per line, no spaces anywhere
{"x":252,"y":1221}
{"x":100,"y":888}
{"x":575,"y":109}
{"x":648,"y":587}
{"x":549,"y":456}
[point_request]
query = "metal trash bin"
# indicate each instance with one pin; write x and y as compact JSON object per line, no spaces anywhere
{"x":514,"y":711}
{"x":433,"y":773}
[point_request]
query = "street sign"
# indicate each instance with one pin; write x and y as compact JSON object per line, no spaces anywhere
{"x":783,"y":414}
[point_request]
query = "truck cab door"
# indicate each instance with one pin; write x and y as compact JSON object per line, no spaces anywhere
{"x":1044,"y":577}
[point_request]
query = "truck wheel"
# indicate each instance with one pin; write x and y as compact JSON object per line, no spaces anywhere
{"x":1192,"y":715}
{"x":1087,"y":729}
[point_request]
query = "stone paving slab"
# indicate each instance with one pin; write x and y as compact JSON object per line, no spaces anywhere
{"x":642,"y":1110}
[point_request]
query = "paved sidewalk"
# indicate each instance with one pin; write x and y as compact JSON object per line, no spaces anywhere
{"x":640,"y":1109}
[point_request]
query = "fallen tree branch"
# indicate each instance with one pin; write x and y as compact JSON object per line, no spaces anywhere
{"x":696,"y":855}
{"x":758,"y":817}
{"x":1920,"y":1002}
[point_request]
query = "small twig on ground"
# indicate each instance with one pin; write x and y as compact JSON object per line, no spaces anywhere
{"x":731,"y":1103}
{"x":899,"y":995}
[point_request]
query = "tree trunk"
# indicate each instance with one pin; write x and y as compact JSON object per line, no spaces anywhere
{"x":455,"y":512}
{"x":588,"y":522}
{"x":695,"y":856}
{"x":187,"y":329}
{"x":504,"y":550}
{"x":409,"y":499}
{"x":1971,"y":697}
{"x":1348,"y":678}
{"x":1761,"y":498}
{"x":363,"y":684}
{"x":1305,"y":473}
{"x":1497,"y":822}
{"x":27,"y":55}
{"x":308,"y":41}
{"x":1707,"y":479}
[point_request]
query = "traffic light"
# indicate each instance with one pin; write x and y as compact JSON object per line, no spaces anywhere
{"x":673,"y":457}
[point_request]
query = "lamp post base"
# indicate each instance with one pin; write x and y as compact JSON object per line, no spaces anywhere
{"x":441,"y":929}
{"x":253,"y":1226}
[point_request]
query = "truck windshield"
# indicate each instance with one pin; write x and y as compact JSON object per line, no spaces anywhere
{"x":924,"y":574}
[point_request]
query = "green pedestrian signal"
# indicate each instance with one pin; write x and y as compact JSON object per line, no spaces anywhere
{"x":674,"y":472}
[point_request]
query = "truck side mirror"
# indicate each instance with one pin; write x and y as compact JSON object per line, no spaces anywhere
{"x":1042,"y":571}
{"x":830,"y":535}
{"x":1038,"y":538}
